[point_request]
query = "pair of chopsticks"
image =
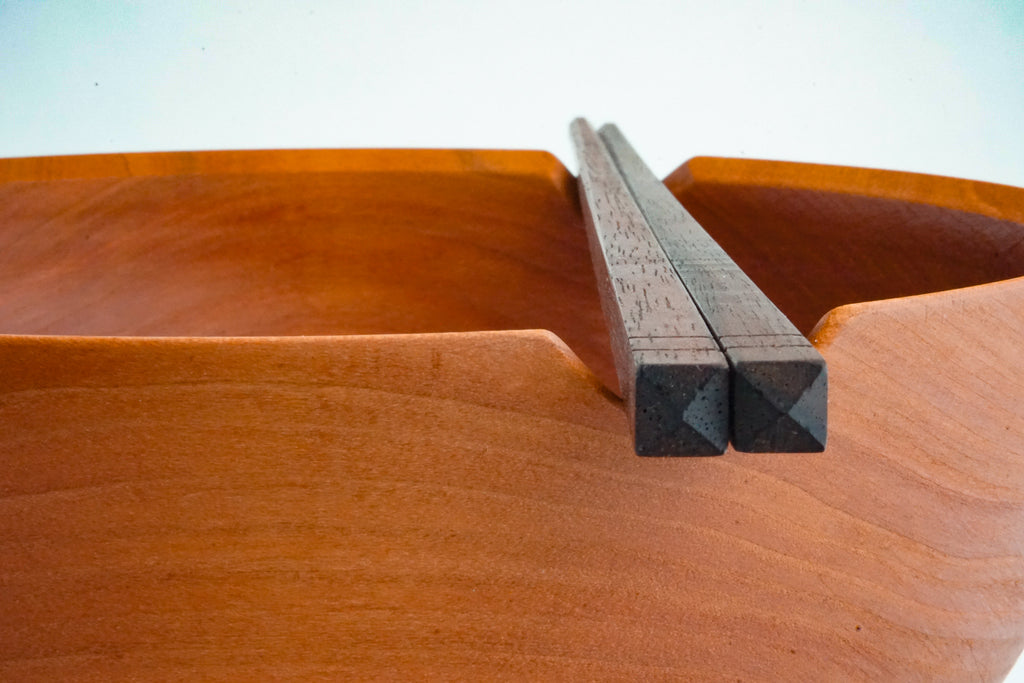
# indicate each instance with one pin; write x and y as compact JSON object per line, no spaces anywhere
{"x":702,"y":355}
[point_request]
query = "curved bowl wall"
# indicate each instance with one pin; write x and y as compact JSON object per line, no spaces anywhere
{"x":254,"y":425}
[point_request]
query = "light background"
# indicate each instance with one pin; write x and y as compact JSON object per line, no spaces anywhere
{"x":935,"y":87}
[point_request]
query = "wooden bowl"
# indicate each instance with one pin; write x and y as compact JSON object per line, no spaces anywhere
{"x":344,"y":413}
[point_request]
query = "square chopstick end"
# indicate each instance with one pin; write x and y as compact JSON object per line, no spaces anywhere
{"x":780,"y":400}
{"x":680,"y":409}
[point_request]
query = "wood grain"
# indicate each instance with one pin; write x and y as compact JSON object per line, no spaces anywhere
{"x":468,"y":505}
{"x":814,"y":237}
{"x":671,"y":371}
{"x":297,"y":242}
{"x":452,"y":506}
{"x":779,"y":397}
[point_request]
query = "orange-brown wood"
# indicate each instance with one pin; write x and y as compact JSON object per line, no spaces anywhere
{"x":297,"y":242}
{"x":467,"y":505}
{"x":814,"y":237}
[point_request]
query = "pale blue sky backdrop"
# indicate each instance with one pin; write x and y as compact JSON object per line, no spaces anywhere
{"x":936,"y":87}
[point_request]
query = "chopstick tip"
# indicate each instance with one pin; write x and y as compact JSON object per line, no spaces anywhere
{"x":580,"y":123}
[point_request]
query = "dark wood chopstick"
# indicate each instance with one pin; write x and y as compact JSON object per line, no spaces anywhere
{"x":779,"y":381}
{"x":671,"y":370}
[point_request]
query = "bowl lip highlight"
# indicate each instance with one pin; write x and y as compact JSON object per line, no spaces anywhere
{"x":266,"y":161}
{"x":993,"y":200}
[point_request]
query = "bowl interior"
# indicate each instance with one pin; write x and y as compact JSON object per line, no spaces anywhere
{"x":816,"y":237}
{"x":388,"y":242}
{"x":412,"y":241}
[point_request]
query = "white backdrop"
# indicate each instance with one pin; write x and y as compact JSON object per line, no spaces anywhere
{"x":935,"y":87}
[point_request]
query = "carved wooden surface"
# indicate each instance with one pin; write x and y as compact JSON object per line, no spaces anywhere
{"x":297,"y":242}
{"x":779,"y":382}
{"x":467,"y":505}
{"x":815,"y":237}
{"x":671,"y":370}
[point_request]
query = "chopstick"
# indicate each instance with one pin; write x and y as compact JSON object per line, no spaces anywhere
{"x":672,"y":373}
{"x":779,"y":382}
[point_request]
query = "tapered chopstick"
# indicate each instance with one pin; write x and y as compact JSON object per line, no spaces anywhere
{"x":779,"y":381}
{"x":671,"y":370}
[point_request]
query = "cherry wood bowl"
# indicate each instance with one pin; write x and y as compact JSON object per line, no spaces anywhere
{"x":345,"y":413}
